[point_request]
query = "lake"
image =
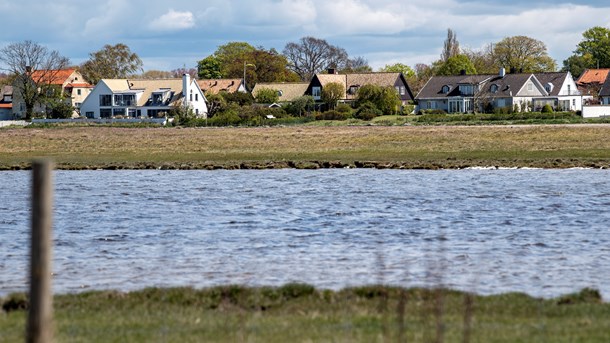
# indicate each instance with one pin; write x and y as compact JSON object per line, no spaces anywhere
{"x":542,"y":232}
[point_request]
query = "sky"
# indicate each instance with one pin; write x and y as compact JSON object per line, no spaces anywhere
{"x":175,"y":34}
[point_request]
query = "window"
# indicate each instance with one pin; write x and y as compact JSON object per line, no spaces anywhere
{"x":118,"y":112}
{"x":315,"y":92}
{"x":191,"y":97}
{"x":445,"y":89}
{"x":105,"y":112}
{"x":124,"y":99}
{"x":78,"y":91}
{"x":132,"y":112}
{"x":196,"y":97}
{"x":105,"y":100}
{"x":403,"y":90}
{"x":157,"y":98}
{"x":493,"y":88}
{"x":77,"y":104}
{"x":89,"y":114}
{"x":548,"y":87}
{"x":530,"y":86}
{"x":353,"y":90}
{"x":573,"y":102}
{"x":569,"y":90}
{"x":466,"y":89}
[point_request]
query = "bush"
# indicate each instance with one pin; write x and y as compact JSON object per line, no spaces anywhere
{"x":242,"y":99}
{"x":226,"y":118}
{"x":367,"y":111}
{"x":547,"y":109}
{"x":432,"y":111}
{"x":344,"y":108}
{"x":332,"y":115}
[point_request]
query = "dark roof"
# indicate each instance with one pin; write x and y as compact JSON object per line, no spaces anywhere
{"x":605,"y":90}
{"x":433,"y":88}
{"x":554,"y":78}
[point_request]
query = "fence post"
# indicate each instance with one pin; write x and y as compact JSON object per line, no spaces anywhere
{"x":40,"y":316}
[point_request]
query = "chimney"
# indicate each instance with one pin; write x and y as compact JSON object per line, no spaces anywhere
{"x":513,"y":70}
{"x":502,"y":72}
{"x":463,"y":72}
{"x":186,"y":83}
{"x":332,"y":71}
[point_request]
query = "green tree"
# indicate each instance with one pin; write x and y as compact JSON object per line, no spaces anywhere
{"x":455,"y":64}
{"x":266,"y":96}
{"x":111,"y":62}
{"x":407,"y":71}
{"x":302,"y":104}
{"x":34,"y":68}
{"x":209,"y":68}
{"x":483,"y":60}
{"x":331,"y":93}
{"x":576,"y":64}
{"x":385,"y":99}
{"x":216,"y":104}
{"x":59,"y":108}
{"x":523,"y":54}
{"x":596,"y":42}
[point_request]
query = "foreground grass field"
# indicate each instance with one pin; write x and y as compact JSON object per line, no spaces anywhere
{"x":300,"y":313}
{"x":431,"y":147}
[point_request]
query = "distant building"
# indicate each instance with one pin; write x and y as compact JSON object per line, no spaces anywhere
{"x":286,"y":91}
{"x":215,"y":86}
{"x":6,"y":103}
{"x":591,"y":81}
{"x":143,"y":98}
{"x":69,"y":81}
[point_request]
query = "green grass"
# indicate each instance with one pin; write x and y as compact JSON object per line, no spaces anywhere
{"x":300,"y":313}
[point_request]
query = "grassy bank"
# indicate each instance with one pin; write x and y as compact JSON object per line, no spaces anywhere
{"x":301,"y":313}
{"x":430,"y":147}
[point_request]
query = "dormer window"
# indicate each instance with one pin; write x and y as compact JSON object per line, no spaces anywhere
{"x":280,"y":93}
{"x":160,"y":96}
{"x":493,"y":88}
{"x":353,"y":89}
{"x":549,"y":87}
{"x":445,"y":89}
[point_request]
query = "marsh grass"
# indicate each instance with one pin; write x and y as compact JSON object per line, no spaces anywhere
{"x":300,"y":313}
{"x":428,"y":147}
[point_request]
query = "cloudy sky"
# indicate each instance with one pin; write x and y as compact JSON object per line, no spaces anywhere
{"x":173,"y":34}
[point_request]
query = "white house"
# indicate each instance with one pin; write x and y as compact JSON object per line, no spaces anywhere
{"x":143,"y":98}
{"x":525,"y":92}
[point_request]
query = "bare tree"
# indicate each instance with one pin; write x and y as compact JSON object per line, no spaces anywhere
{"x":312,"y":55}
{"x":34,"y":68}
{"x":451,"y":47}
{"x":525,"y":54}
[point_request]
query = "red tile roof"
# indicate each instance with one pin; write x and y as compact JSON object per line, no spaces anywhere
{"x":589,"y":76}
{"x":9,"y":105}
{"x":54,"y":77}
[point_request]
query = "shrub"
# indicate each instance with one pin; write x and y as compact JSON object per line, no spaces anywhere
{"x":242,"y":99}
{"x":344,"y":108}
{"x":547,"y":109}
{"x":226,"y":118}
{"x":367,"y":111}
{"x":266,"y":96}
{"x":332,"y":115}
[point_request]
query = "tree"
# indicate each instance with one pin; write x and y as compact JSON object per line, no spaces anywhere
{"x":523,"y":54}
{"x":34,"y":68}
{"x":302,"y":104}
{"x":156,"y":74}
{"x":331,"y":93}
{"x":209,"y":68}
{"x":455,"y":65}
{"x":576,"y":64}
{"x":596,"y":42}
{"x":399,"y":68}
{"x":357,"y":65}
{"x":111,"y":62}
{"x":312,"y":55}
{"x":386,"y":99}
{"x":266,"y":96}
{"x":179,"y":72}
{"x":451,"y":47}
{"x":483,"y":60}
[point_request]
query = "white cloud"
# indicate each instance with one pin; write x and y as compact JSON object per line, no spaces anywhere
{"x":173,"y":21}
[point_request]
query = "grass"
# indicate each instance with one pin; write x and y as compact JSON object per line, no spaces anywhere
{"x":431,"y":147}
{"x":300,"y":313}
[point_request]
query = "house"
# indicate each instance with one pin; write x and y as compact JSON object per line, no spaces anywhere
{"x":215,"y":86}
{"x":603,"y":108}
{"x":604,"y":92}
{"x":287,"y":91}
{"x":69,"y":81}
{"x":143,"y":98}
{"x":6,"y":103}
{"x":352,"y":82}
{"x":522,"y":92}
{"x":591,"y":81}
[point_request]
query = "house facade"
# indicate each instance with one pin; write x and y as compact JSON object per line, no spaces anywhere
{"x":68,"y":81}
{"x":352,"y":82}
{"x":519,"y":92}
{"x":6,"y":103}
{"x":591,"y":81}
{"x":113,"y":98}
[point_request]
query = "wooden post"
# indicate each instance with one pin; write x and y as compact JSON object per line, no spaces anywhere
{"x":40,"y":316}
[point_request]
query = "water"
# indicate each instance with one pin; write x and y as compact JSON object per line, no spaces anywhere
{"x":542,"y":232}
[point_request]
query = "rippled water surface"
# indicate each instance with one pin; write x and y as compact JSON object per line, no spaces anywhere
{"x":543,"y":232}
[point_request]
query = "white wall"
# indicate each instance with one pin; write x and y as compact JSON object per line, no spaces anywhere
{"x":595,"y":111}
